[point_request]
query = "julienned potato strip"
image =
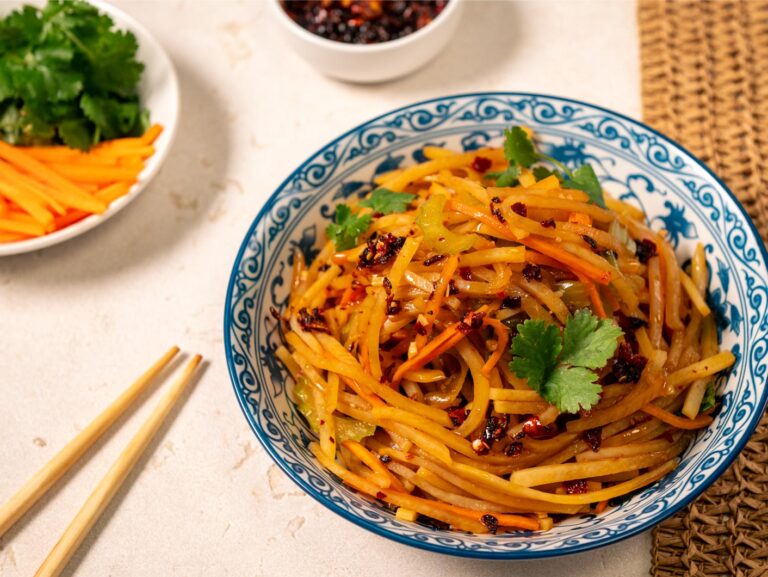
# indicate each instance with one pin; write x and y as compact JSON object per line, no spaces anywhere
{"x":411,"y":333}
{"x":47,"y":188}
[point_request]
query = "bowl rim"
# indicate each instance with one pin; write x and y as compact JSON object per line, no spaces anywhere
{"x":498,"y":555}
{"x":374,"y":48}
{"x":153,"y":164}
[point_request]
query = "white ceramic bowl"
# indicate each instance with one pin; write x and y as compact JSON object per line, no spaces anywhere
{"x":368,"y":63}
{"x":159,"y":93}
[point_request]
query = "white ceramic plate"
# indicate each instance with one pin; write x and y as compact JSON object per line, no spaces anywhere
{"x":159,"y":93}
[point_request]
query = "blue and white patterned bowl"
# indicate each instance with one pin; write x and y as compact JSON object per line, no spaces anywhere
{"x":637,"y":164}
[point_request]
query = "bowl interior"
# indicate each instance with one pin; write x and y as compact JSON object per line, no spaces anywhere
{"x":634,"y":163}
{"x":159,"y":93}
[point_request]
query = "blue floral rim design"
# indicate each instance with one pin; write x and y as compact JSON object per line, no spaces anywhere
{"x":448,"y":547}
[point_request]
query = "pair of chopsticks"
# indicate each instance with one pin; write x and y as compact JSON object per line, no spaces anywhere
{"x":36,"y":487}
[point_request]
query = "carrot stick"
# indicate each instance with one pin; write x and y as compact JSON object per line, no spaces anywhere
{"x":572,"y":261}
{"x":27,"y":202}
{"x":373,"y":463}
{"x":362,"y":393}
{"x":601,"y":506}
{"x":444,"y":341}
{"x":678,"y":422}
{"x":433,"y":305}
{"x":94,"y":174}
{"x":594,"y":296}
{"x":12,"y":236}
{"x":151,"y":134}
{"x":28,"y":228}
{"x":504,"y":519}
{"x":77,"y":197}
{"x":502,"y":338}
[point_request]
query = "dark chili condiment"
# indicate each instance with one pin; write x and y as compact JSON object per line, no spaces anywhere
{"x":362,"y":21}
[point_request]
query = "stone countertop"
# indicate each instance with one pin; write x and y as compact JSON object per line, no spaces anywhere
{"x":78,"y":322}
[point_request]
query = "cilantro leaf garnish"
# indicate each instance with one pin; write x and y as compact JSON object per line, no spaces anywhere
{"x":67,"y":75}
{"x":518,"y":147}
{"x":535,"y":350}
{"x":585,"y":179}
{"x":588,"y":341}
{"x":384,"y":201}
{"x":520,"y":152}
{"x":346,"y":228}
{"x":561,"y":367}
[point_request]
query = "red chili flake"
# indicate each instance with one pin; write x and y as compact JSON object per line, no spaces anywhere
{"x":385,"y":458}
{"x":381,"y":250}
{"x":513,"y":302}
{"x":533,"y":428}
{"x":520,"y":208}
{"x":322,"y":421}
{"x":457,"y":415}
{"x":313,"y":321}
{"x":465,"y":273}
{"x":387,"y":284}
{"x":380,"y":495}
{"x":495,"y":429}
{"x":593,"y":438}
{"x":590,"y":241}
{"x":393,"y":306}
{"x":433,"y":259}
{"x":578,"y":487}
{"x":275,"y":313}
{"x":332,"y":439}
{"x":645,"y":250}
{"x":627,"y":366}
{"x":532,"y":272}
{"x":496,"y":199}
{"x":452,"y":288}
{"x":496,"y":211}
{"x":549,"y":223}
{"x":420,"y":328}
{"x":472,"y":321}
{"x":481,"y":164}
{"x":667,"y":436}
{"x":514,"y":449}
{"x":491,"y":522}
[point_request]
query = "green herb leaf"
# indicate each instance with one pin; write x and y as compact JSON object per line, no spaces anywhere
{"x":709,"y":399}
{"x":346,"y":228}
{"x":76,"y":133}
{"x":542,"y":172}
{"x":518,"y":147}
{"x":535,"y":350}
{"x":585,"y":179}
{"x":572,"y":388}
{"x":385,"y":201}
{"x":588,"y":341}
{"x":67,"y":70}
{"x":509,"y":177}
{"x":561,"y":367}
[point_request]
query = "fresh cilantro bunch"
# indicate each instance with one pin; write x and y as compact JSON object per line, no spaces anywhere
{"x":562,"y":367}
{"x":346,"y":228}
{"x":67,"y":76}
{"x":521,"y":153}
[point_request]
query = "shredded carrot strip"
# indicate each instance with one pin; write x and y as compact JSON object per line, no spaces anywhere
{"x":444,"y":341}
{"x":362,"y":393}
{"x":504,"y":520}
{"x":576,"y":264}
{"x":502,"y":338}
{"x":594,"y":296}
{"x":679,"y":422}
{"x":601,"y":506}
{"x":433,"y":306}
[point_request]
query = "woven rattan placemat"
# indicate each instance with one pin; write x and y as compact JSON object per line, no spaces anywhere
{"x":705,"y":84}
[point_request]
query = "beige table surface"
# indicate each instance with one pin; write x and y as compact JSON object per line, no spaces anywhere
{"x":79,"y":321}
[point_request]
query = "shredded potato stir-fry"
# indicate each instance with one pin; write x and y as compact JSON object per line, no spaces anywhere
{"x":487,"y":356}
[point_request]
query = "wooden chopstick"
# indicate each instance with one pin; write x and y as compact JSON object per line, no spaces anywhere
{"x":108,"y":486}
{"x":36,"y":487}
